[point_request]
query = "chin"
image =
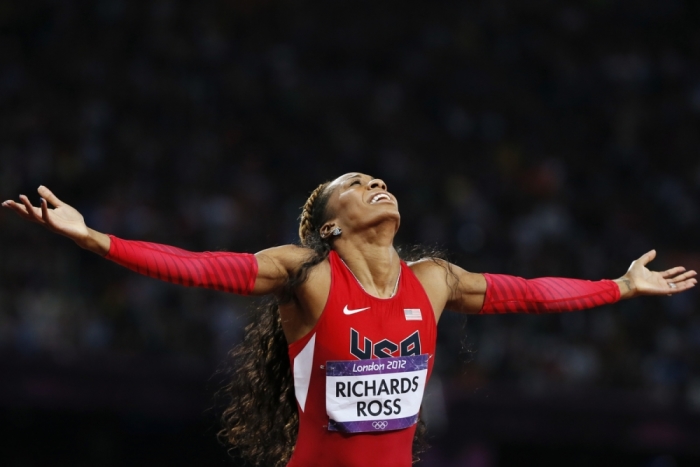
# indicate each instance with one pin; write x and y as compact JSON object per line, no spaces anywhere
{"x":387,"y":215}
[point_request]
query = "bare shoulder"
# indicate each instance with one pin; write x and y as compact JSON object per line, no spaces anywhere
{"x":434,"y":274}
{"x":449,"y":284}
{"x":276,"y":265}
{"x":440,"y":269}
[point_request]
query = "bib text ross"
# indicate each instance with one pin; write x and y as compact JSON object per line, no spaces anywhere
{"x":380,"y":394}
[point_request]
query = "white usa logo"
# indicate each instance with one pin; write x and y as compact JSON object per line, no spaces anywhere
{"x":412,"y":314}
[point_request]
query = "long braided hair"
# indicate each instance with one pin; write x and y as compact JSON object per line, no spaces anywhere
{"x":260,"y":421}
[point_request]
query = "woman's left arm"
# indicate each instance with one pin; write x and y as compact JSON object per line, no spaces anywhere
{"x":497,"y":293}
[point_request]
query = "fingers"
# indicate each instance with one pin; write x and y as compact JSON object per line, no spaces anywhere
{"x":49,"y":196}
{"x":681,"y":277}
{"x":642,"y":260}
{"x":18,"y":208}
{"x":669,"y":286}
{"x":678,"y":287}
{"x":45,"y":212}
{"x":681,"y":282}
{"x":32,"y":212}
{"x":672,"y":272}
{"x":25,"y":210}
{"x":646,"y":258}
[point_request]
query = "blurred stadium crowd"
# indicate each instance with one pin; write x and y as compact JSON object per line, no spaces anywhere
{"x":533,"y":138}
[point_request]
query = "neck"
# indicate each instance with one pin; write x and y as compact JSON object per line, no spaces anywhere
{"x":372,"y":258}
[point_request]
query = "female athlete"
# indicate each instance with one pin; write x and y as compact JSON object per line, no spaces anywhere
{"x":332,"y":372}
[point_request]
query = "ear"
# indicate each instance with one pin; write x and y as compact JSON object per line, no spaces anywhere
{"x":326,"y":229}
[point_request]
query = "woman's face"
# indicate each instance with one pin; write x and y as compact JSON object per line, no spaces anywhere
{"x":358,"y":201}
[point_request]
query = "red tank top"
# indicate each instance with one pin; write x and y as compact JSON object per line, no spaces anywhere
{"x":359,"y":374}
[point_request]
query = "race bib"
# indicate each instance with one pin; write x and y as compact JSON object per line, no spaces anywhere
{"x":375,"y":395}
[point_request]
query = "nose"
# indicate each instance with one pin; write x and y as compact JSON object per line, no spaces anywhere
{"x":377,"y":183}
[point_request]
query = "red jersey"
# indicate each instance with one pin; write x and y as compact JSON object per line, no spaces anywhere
{"x":359,"y":374}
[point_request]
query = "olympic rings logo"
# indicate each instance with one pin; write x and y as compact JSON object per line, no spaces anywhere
{"x":380,"y":425}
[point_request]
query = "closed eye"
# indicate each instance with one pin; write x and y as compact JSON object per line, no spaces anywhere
{"x":355,"y":182}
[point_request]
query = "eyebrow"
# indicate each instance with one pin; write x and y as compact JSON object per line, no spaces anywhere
{"x":357,"y":176}
{"x":350,"y":178}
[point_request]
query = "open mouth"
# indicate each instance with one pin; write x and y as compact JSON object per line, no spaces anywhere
{"x":379,"y":197}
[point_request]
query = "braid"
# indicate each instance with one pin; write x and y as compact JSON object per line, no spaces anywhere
{"x":313,"y":215}
{"x":306,"y":226}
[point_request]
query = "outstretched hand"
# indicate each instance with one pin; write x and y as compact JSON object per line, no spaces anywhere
{"x":62,"y":219}
{"x":639,"y":280}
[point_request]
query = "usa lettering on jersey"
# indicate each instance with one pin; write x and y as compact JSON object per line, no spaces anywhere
{"x":384,"y":348}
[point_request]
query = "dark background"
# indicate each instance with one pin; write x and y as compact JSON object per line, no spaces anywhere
{"x":531,"y":138}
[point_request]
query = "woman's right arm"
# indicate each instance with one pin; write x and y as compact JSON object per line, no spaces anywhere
{"x":241,"y":273}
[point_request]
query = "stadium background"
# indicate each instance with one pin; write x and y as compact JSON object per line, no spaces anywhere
{"x":530,"y":138}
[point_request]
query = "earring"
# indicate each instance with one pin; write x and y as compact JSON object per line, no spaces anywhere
{"x":336,"y":231}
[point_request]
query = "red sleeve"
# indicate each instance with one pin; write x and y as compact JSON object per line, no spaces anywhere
{"x":229,"y":272}
{"x":510,"y":294}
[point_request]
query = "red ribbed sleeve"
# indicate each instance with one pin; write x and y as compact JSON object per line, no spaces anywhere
{"x":228,"y":272}
{"x":510,"y":294}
